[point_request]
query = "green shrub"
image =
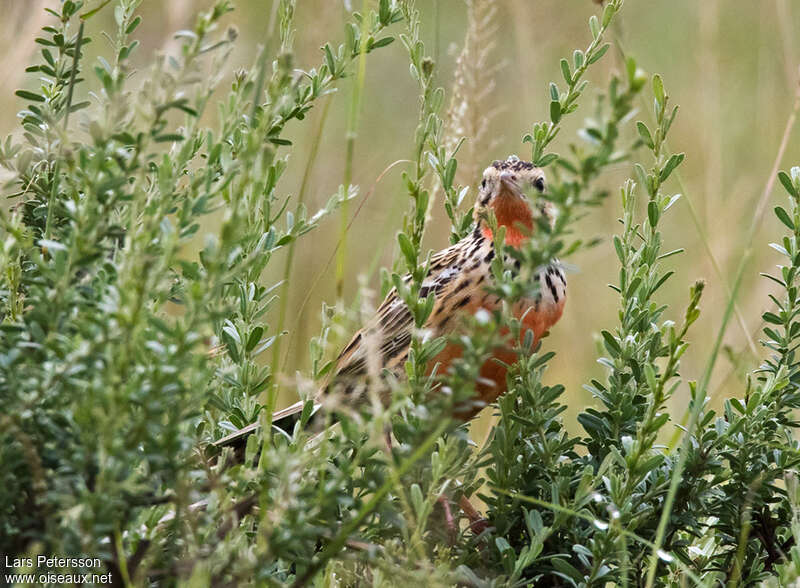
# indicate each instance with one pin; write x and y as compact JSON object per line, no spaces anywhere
{"x":130,"y":342}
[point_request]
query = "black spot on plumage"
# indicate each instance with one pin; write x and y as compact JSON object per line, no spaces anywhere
{"x":458,"y":288}
{"x":489,"y":256}
{"x":463,"y":284}
{"x":552,"y":288}
{"x":463,"y":302}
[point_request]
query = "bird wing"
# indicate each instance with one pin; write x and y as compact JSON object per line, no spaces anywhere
{"x":387,"y":335}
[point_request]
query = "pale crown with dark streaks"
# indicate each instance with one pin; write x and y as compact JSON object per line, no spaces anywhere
{"x":513,"y":177}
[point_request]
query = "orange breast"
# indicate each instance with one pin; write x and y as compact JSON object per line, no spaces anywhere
{"x":537,"y":318}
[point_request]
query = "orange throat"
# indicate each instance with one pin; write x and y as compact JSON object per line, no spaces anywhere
{"x":512,"y":212}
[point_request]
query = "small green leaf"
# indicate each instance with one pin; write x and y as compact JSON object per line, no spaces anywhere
{"x":608,"y":14}
{"x":383,"y":42}
{"x":79,"y":106}
{"x":658,"y":89}
{"x":655,"y":461}
{"x":567,"y":570}
{"x":578,"y":58}
{"x":329,"y":59}
{"x":254,"y":338}
{"x":133,"y":24}
{"x":597,"y":55}
{"x":650,"y":376}
{"x":565,"y":72}
{"x":653,"y":213}
{"x":407,"y":248}
{"x":783,"y":216}
{"x":168,"y":137}
{"x":591,"y":423}
{"x":618,"y":248}
{"x":671,"y":253}
{"x":594,"y":26}
{"x":671,"y":164}
{"x":641,"y":174}
{"x":671,"y":201}
{"x":630,"y":69}
{"x":450,"y":173}
{"x":30,"y":95}
{"x":555,"y":111}
{"x":546,"y":160}
{"x":611,"y":343}
{"x":782,"y":176}
{"x":644,"y":133}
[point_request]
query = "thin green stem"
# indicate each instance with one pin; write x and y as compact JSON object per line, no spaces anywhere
{"x":73,"y":76}
{"x":288,"y":265}
{"x":715,"y":264}
{"x":350,"y":144}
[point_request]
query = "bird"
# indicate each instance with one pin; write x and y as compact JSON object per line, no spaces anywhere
{"x":457,"y":277}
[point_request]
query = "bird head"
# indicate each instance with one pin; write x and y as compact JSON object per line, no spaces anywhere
{"x":505,"y":189}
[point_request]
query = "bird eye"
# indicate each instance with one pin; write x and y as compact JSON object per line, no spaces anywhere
{"x":539,"y":183}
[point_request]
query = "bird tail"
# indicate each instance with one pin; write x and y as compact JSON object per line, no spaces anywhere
{"x":284,"y":420}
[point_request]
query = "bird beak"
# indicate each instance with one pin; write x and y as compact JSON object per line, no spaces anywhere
{"x":509,"y":183}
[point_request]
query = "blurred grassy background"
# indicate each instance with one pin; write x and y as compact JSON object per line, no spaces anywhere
{"x":731,"y":65}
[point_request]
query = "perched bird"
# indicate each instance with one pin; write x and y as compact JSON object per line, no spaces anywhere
{"x":457,"y":277}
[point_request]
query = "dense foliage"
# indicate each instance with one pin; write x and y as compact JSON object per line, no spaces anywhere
{"x":131,"y":339}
